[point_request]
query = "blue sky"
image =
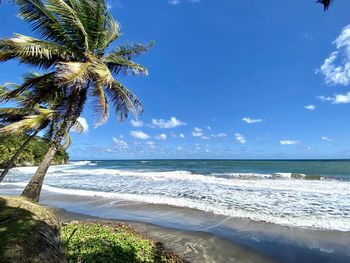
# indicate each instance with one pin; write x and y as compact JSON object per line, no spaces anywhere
{"x":228,"y":79}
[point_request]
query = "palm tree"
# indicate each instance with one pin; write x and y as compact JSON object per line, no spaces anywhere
{"x":29,"y":119}
{"x":75,"y":35}
{"x":326,"y":3}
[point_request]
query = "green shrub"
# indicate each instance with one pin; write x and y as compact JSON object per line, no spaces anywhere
{"x":93,"y":243}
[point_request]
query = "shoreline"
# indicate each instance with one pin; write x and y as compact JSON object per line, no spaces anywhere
{"x":197,"y":235}
{"x":196,"y":247}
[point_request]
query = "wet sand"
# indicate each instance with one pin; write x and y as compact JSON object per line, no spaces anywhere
{"x":203,"y":237}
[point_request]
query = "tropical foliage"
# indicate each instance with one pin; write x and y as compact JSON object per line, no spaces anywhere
{"x":33,"y":153}
{"x":72,"y":49}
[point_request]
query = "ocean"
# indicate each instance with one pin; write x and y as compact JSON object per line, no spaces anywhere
{"x":312,"y":194}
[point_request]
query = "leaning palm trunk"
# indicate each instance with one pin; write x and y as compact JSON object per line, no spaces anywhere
{"x":33,"y":189}
{"x":12,"y":161}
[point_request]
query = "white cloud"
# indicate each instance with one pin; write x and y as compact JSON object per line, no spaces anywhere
{"x":167,"y":124}
{"x":310,"y":107}
{"x":174,"y":2}
{"x":139,"y":135}
{"x":161,"y":137}
{"x":240,"y":138}
{"x":197,"y":132}
{"x":219,"y":135}
{"x":177,"y":2}
{"x":341,"y":98}
{"x":120,"y":144}
{"x":336,"y":68}
{"x":83,"y":123}
{"x":136,"y":123}
{"x":151,"y":144}
{"x":324,"y":98}
{"x":337,"y":98}
{"x":250,"y":120}
{"x":325,"y":138}
{"x":289,"y":142}
{"x":181,"y":135}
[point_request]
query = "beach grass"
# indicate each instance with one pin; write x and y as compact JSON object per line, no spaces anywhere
{"x":93,"y":242}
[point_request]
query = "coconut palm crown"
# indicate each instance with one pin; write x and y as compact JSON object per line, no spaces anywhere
{"x":72,"y":43}
{"x":25,"y":116}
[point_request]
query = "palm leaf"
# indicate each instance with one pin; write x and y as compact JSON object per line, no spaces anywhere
{"x":33,"y":51}
{"x":326,"y":3}
{"x":101,"y":104}
{"x":120,"y":65}
{"x":124,"y":101}
{"x":44,"y":22}
{"x":70,"y":21}
{"x":67,"y":141}
{"x":71,"y":73}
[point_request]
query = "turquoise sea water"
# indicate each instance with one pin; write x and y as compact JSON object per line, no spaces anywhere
{"x":311,"y":194}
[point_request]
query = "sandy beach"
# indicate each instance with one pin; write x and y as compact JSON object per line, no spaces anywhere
{"x":203,"y":237}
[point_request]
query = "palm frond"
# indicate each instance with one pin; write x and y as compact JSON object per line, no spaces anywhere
{"x":67,"y":141}
{"x":120,"y":65}
{"x":101,"y":103}
{"x":77,"y":127}
{"x":326,"y":3}
{"x":28,"y":123}
{"x":69,"y":19}
{"x":71,"y":73}
{"x":44,"y":22}
{"x":124,"y":101}
{"x":130,"y":51}
{"x":30,"y":81}
{"x":33,"y":51}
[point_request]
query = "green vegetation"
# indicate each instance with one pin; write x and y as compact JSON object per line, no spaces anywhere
{"x":73,"y":51}
{"x":33,"y":153}
{"x":109,"y":243}
{"x":28,"y":232}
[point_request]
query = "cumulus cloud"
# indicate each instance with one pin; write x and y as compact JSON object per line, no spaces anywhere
{"x":337,"y":98}
{"x":136,"y":123}
{"x":250,"y":120}
{"x":341,"y":98}
{"x":161,"y":137}
{"x":139,"y":135}
{"x":325,"y":138}
{"x":336,"y":68}
{"x":197,"y":132}
{"x":289,"y":142}
{"x":310,"y":107}
{"x":240,"y":138}
{"x":120,"y":144}
{"x":167,"y":124}
{"x":181,"y":135}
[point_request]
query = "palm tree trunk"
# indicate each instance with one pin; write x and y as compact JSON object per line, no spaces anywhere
{"x":33,"y":189}
{"x":11,"y":162}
